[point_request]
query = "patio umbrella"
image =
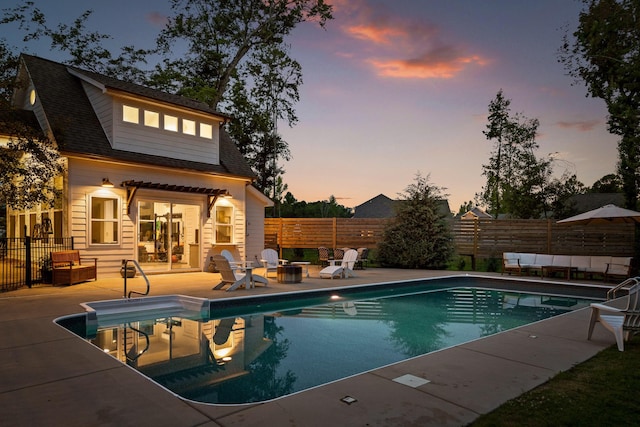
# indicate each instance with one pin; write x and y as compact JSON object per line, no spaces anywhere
{"x":604,"y":215}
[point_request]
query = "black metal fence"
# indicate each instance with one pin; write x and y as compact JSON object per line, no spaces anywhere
{"x":26,"y":261}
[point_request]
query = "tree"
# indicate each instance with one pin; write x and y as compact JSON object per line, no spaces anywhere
{"x":604,"y":53}
{"x":610,"y":183}
{"x":515,"y":177}
{"x":84,"y":47}
{"x":292,"y":208}
{"x":30,"y":162}
{"x":418,"y":236}
{"x":465,"y":207}
{"x":236,"y":58}
{"x":231,"y":55}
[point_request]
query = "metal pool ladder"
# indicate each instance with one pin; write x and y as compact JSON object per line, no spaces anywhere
{"x":125,"y":265}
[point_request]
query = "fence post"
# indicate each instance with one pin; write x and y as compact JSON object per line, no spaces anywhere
{"x":27,"y":261}
{"x":476,"y":230}
{"x":335,"y":232}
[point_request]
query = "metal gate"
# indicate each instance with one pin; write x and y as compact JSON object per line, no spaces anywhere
{"x":26,"y":261}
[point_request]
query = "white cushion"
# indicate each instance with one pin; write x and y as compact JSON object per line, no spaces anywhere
{"x":561,"y":261}
{"x":527,"y":259}
{"x":599,"y":264}
{"x":543,"y":260}
{"x":581,"y":262}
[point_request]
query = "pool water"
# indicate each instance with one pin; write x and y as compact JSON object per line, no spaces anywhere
{"x":261,"y":355}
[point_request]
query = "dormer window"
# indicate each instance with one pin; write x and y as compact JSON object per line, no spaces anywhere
{"x":188,"y":127}
{"x":151,"y":119}
{"x":167,"y":122}
{"x":206,"y":131}
{"x":130,"y":114}
{"x":170,"y":123}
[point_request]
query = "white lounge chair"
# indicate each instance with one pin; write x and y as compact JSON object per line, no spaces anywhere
{"x":232,"y":262}
{"x":345,"y":269}
{"x":223,"y":330}
{"x":622,"y":322}
{"x":270,"y":261}
{"x":229,"y":277}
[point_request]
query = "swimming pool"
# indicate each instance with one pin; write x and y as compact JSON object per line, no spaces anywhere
{"x":252,"y":349}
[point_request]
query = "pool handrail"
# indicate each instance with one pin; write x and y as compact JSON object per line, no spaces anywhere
{"x":626,"y":284}
{"x":125,"y":265}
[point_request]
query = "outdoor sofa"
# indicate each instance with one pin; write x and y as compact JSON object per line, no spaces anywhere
{"x":588,"y":266}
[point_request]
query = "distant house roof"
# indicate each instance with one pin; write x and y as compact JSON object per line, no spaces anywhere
{"x":77,"y":129}
{"x":382,"y":206}
{"x":589,"y":201}
{"x":379,"y":207}
{"x":475,"y":213}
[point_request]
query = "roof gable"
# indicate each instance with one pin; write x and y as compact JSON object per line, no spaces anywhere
{"x":78,"y":131}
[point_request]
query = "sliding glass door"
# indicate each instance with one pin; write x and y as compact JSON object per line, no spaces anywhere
{"x":168,"y":236}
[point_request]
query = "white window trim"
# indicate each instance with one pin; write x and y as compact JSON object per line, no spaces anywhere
{"x":231,"y":225}
{"x":89,"y":231}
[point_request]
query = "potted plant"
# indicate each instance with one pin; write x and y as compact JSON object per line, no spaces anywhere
{"x":46,"y":269}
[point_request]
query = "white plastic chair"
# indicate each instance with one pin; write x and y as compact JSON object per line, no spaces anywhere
{"x":270,"y":261}
{"x":345,"y":269}
{"x":622,"y":322}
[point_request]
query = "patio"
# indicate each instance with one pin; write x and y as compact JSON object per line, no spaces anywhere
{"x":51,"y":377}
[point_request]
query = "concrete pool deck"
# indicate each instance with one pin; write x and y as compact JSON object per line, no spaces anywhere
{"x":50,"y":377}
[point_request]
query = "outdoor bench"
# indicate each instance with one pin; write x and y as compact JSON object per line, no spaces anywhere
{"x":67,"y":268}
{"x":546,"y":264}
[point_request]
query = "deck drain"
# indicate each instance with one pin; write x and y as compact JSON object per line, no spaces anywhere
{"x":349,"y":400}
{"x":411,"y":380}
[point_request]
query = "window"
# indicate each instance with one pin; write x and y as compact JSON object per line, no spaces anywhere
{"x":224,"y":224}
{"x":104,"y":220}
{"x":206,"y":131}
{"x":152,"y":119}
{"x":170,"y":123}
{"x":188,"y":127}
{"x":130,"y":114}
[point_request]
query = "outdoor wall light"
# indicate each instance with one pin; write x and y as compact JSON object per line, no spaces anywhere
{"x":106,"y":183}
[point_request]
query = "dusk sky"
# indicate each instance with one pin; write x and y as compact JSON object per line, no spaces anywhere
{"x":396,"y":87}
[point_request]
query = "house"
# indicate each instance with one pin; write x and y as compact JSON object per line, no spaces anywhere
{"x":379,"y":207}
{"x":475,"y":213}
{"x":581,"y":203}
{"x":150,"y":176}
{"x":382,"y":206}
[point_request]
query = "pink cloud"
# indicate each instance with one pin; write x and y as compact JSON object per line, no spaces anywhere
{"x":399,"y":47}
{"x":157,"y":19}
{"x":581,"y":125}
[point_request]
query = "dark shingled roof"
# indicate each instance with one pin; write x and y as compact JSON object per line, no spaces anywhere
{"x":78,"y":131}
{"x":382,"y":206}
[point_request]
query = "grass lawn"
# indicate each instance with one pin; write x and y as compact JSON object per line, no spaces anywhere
{"x":599,"y":392}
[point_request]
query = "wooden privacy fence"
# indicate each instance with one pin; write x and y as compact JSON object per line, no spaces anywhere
{"x":477,"y":238}
{"x":328,"y":232}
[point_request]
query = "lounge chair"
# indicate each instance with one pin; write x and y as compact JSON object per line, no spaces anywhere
{"x":232,"y":262}
{"x":345,"y":269}
{"x":223,"y":330}
{"x":229,"y":277}
{"x":270,"y":261}
{"x":622,"y":322}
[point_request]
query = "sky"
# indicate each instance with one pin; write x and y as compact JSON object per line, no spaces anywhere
{"x":396,"y":88}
